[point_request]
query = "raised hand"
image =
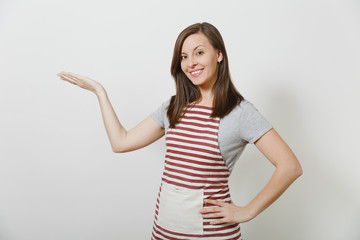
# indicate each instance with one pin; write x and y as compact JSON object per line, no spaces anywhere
{"x":81,"y":81}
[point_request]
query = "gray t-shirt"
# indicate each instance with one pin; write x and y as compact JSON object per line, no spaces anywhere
{"x":243,"y":125}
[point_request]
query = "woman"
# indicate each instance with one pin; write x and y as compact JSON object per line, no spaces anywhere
{"x":207,"y":126}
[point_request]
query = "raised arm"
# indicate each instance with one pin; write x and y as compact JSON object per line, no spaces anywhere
{"x":121,"y":140}
{"x":145,"y":133}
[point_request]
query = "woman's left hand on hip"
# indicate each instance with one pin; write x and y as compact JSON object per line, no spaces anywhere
{"x":225,"y":212}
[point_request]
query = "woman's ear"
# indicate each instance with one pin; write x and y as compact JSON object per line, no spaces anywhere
{"x":220,"y":56}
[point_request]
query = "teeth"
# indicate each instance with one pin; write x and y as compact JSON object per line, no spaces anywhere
{"x":196,"y":72}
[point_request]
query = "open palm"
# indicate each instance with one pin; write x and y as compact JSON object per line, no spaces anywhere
{"x":81,"y":81}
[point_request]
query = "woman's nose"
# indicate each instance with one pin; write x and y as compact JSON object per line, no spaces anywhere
{"x":192,"y":62}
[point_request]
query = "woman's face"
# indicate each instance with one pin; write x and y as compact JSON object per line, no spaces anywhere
{"x":199,"y":60}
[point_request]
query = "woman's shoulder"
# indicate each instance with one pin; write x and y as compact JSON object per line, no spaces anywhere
{"x":240,"y":107}
{"x":243,"y":111}
{"x":165,"y":103}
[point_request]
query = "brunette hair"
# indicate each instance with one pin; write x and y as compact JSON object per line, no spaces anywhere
{"x":226,"y":97}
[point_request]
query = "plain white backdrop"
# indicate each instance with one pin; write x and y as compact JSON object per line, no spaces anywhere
{"x":297,"y":61}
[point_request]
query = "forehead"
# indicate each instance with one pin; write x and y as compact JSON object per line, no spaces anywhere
{"x":193,"y":41}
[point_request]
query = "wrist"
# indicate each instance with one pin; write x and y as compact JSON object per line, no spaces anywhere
{"x":250,"y":212}
{"x":99,"y":90}
{"x":243,"y":214}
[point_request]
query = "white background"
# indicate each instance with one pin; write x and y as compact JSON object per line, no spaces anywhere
{"x":297,"y":61}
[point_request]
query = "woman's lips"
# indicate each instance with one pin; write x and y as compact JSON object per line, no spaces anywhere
{"x":196,"y":72}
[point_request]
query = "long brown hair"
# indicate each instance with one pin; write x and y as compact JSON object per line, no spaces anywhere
{"x":226,"y":97}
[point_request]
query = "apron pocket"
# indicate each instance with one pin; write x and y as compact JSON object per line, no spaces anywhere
{"x":179,"y":209}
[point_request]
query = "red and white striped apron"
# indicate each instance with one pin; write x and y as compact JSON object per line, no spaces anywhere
{"x":194,"y":171}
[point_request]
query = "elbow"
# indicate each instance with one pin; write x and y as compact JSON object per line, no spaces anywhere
{"x":119,"y":149}
{"x":292,"y":171}
{"x":299,"y":171}
{"x":296,"y":171}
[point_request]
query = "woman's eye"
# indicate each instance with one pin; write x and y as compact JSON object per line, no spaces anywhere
{"x":199,"y":53}
{"x":183,"y":57}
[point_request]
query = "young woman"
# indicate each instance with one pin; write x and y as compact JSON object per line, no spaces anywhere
{"x":207,"y":126}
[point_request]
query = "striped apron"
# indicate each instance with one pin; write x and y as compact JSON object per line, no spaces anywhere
{"x":194,"y":170}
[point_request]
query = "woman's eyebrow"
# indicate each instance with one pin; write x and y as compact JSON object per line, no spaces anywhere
{"x":194,"y":48}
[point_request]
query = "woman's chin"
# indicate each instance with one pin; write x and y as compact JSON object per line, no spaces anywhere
{"x":197,"y":82}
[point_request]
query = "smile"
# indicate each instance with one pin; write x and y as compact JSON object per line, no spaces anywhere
{"x":196,"y":72}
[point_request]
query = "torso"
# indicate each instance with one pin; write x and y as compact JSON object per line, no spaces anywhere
{"x":194,"y":171}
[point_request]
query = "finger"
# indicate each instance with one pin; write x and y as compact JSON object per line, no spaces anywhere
{"x":66,"y":78}
{"x":213,"y":215}
{"x":219,"y":221}
{"x":75,"y":76}
{"x":210,"y":210}
{"x":215,"y":202}
{"x":63,"y":73}
{"x":75,"y":79}
{"x":70,"y":74}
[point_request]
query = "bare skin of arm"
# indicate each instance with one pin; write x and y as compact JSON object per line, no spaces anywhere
{"x":287,"y":170}
{"x":121,"y":140}
{"x":273,"y":147}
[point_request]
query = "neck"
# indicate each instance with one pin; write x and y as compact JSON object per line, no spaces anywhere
{"x":206,"y":98}
{"x":207,"y":93}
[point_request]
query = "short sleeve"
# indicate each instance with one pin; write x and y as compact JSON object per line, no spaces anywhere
{"x":159,"y":115}
{"x":253,"y":123}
